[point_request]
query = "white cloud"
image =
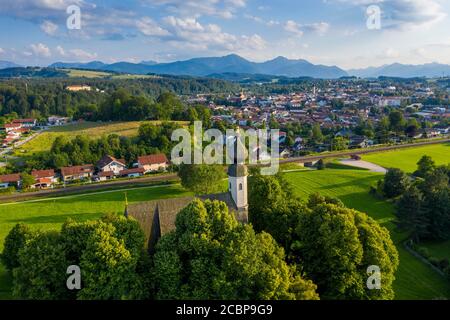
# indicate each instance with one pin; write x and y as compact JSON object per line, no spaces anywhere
{"x":150,"y":28}
{"x":75,"y":54}
{"x":2,"y":51}
{"x":49,"y":27}
{"x":195,"y":8}
{"x":293,"y":27}
{"x":40,"y":50}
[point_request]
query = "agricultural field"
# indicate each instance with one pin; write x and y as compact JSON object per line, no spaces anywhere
{"x":92,"y":129}
{"x":75,"y":73}
{"x":414,"y":279}
{"x":406,"y":159}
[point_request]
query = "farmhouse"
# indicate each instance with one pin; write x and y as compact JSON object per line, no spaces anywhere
{"x":10,"y":180}
{"x":111,"y":164}
{"x":76,"y":88}
{"x":25,"y":123}
{"x":157,"y":218}
{"x":44,"y":178}
{"x":77,"y":172}
{"x":132,"y":173}
{"x":152,"y":163}
{"x":12,"y":126}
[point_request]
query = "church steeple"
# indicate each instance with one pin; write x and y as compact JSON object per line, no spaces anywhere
{"x":237,"y":177}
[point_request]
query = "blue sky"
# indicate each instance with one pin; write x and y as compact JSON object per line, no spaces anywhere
{"x":331,"y":32}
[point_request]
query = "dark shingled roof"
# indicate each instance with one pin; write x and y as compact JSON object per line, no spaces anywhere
{"x":158,"y":217}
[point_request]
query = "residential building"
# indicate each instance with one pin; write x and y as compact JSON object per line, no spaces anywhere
{"x":74,"y":173}
{"x":153,"y":163}
{"x":44,"y":178}
{"x":111,"y":164}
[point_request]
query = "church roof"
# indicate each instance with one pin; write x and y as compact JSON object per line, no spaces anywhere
{"x":158,"y":217}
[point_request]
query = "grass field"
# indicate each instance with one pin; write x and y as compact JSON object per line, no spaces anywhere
{"x":74,"y":73}
{"x":92,"y":129}
{"x":414,"y":280}
{"x":406,"y":159}
{"x":440,"y":250}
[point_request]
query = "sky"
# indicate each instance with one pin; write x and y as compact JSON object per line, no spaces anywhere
{"x":345,"y":33}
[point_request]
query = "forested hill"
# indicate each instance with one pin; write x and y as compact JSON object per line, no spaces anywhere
{"x":40,"y":98}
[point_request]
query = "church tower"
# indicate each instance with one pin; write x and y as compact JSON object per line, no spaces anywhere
{"x":237,"y":180}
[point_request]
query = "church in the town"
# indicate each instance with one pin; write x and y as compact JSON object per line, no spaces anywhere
{"x":157,"y":217}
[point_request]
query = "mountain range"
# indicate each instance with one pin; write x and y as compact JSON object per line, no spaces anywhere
{"x":235,"y":65}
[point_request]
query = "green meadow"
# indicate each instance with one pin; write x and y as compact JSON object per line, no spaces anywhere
{"x":414,"y":279}
{"x":406,"y":159}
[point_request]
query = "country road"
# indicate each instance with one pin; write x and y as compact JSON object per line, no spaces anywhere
{"x":173,"y":177}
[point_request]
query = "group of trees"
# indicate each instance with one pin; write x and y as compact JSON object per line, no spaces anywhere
{"x":136,"y":98}
{"x":109,"y":253}
{"x":209,"y":256}
{"x":423,"y":208}
{"x":331,"y":244}
{"x":151,"y":139}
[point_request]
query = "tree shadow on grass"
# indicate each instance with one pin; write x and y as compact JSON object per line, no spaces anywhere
{"x":58,"y":218}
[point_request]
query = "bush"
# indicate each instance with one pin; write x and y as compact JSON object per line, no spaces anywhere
{"x":423,"y":252}
{"x":8,"y":190}
{"x":434,"y":261}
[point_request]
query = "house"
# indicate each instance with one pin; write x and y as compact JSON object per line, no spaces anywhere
{"x":44,"y":178}
{"x":12,"y":126}
{"x":111,"y":164}
{"x":76,"y":88}
{"x":57,"y":121}
{"x":358,"y":142}
{"x":26,"y":123}
{"x":10,"y":180}
{"x":105,"y":175}
{"x":158,"y":217}
{"x":154,"y":162}
{"x":77,"y":172}
{"x":132,"y":173}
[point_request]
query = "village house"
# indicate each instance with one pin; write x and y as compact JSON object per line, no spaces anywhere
{"x":153,"y":163}
{"x":10,"y":180}
{"x":44,"y":178}
{"x":105,"y":175}
{"x":77,"y":172}
{"x":111,"y":164}
{"x":25,"y":123}
{"x":76,"y":88}
{"x":57,"y":121}
{"x":132,"y":173}
{"x":12,"y":127}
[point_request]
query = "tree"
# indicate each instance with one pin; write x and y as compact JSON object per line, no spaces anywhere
{"x":335,"y":245}
{"x":41,"y":274}
{"x":410,"y":213}
{"x":339,"y":143}
{"x":202,"y":179}
{"x":211,"y":256}
{"x":14,"y":242}
{"x":316,"y":134}
{"x":320,"y":165}
{"x":395,"y":183}
{"x":425,"y":166}
{"x":397,"y":121}
{"x":27,"y":180}
{"x":107,"y":267}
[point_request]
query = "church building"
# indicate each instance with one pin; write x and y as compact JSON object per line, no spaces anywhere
{"x":157,"y":217}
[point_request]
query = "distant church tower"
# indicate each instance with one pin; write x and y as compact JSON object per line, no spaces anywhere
{"x":237,"y":180}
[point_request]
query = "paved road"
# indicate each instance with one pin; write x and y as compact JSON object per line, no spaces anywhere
{"x":174,"y":177}
{"x":364,"y":165}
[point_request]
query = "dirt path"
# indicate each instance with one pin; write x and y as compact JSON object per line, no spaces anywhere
{"x":364,"y":165}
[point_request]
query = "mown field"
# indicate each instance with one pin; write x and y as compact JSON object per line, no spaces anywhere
{"x":92,"y":129}
{"x":75,"y":73}
{"x":406,"y":159}
{"x":414,"y":279}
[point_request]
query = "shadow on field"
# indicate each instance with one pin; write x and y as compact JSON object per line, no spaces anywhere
{"x":60,"y":218}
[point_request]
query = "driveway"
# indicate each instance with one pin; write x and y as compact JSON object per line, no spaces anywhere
{"x":364,"y":165}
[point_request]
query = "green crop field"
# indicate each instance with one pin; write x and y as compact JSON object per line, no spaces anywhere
{"x":414,"y":279}
{"x":92,"y":129}
{"x":406,"y":159}
{"x":75,"y":73}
